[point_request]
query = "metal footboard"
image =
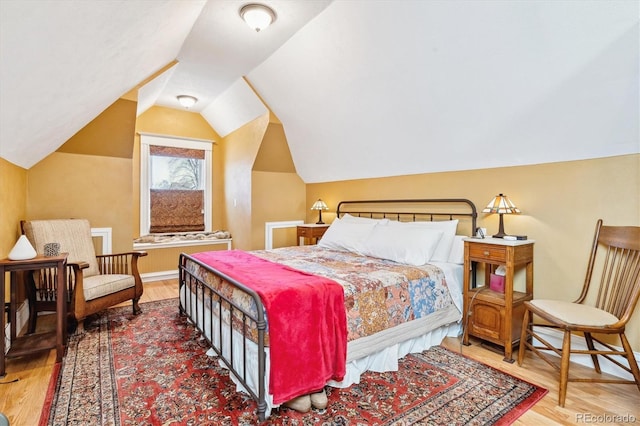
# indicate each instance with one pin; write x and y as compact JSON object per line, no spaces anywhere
{"x":196,"y":289}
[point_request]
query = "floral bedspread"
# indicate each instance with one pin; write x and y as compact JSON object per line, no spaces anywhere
{"x":379,"y":294}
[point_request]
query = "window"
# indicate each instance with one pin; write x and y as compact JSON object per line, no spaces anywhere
{"x":175,"y":185}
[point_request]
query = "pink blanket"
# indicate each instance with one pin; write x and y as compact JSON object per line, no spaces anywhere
{"x":306,"y":317}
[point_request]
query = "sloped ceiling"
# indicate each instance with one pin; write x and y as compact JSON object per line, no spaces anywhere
{"x":362,"y":88}
{"x":394,"y":88}
{"x":64,"y":62}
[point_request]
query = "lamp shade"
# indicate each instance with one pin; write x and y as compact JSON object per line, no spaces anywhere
{"x":501,"y":204}
{"x":319,"y":205}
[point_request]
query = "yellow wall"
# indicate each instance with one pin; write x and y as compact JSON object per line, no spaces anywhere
{"x":277,"y":192}
{"x":84,"y":186}
{"x":13,"y":204}
{"x":84,"y":179}
{"x":274,"y":192}
{"x":560,"y":204}
{"x":275,"y":197}
{"x":109,"y":135}
{"x":166,"y":259}
{"x":239,"y":150}
{"x":274,"y":154}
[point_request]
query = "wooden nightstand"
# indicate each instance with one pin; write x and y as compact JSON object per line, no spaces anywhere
{"x":491,"y":315}
{"x":311,"y":231}
{"x":30,"y":343}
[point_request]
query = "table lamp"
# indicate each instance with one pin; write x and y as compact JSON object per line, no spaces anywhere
{"x":501,"y":205}
{"x":319,"y":205}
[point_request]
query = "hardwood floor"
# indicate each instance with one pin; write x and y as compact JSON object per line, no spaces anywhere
{"x":25,"y":386}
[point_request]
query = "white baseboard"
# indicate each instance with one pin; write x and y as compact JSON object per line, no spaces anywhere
{"x":159,"y":276}
{"x":555,"y":337}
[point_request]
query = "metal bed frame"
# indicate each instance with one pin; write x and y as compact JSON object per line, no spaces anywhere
{"x":403,"y":210}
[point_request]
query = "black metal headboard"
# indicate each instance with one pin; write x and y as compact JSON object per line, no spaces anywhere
{"x":411,"y":210}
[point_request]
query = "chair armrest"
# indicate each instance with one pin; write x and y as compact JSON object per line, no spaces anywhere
{"x":120,"y":263}
{"x":135,"y":254}
{"x":78,"y":265}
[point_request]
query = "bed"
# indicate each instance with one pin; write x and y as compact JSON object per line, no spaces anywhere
{"x":397,"y":265}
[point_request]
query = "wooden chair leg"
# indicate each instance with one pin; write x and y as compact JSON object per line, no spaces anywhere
{"x":524,"y":336}
{"x":136,"y":307}
{"x":594,"y":357}
{"x":564,"y":368}
{"x":633,"y":365}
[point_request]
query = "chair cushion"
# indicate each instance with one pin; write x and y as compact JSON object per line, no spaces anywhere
{"x":103,"y":285}
{"x":74,"y":236}
{"x":575,"y":313}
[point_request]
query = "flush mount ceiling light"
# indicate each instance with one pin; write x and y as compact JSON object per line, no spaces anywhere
{"x":257,"y":16}
{"x":187,"y":101}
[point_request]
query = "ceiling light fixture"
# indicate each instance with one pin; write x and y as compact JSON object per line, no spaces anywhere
{"x":187,"y":101}
{"x":257,"y":16}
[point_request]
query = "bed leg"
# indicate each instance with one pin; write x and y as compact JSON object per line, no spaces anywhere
{"x":262,"y":409}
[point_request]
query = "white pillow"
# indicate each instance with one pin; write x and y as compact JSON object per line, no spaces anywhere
{"x":448,"y":227}
{"x":350,"y":218}
{"x":402,"y":243}
{"x":457,"y":250}
{"x":346,"y":236}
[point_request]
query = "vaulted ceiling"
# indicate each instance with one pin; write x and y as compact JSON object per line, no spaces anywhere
{"x":363,"y":88}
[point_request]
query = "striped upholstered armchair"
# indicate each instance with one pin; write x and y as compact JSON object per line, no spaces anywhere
{"x":94,"y":282}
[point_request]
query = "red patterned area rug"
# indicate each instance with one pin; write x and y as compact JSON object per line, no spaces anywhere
{"x":152,"y":369}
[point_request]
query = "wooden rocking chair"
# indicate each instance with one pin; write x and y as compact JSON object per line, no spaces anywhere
{"x":608,"y":298}
{"x":94,"y":282}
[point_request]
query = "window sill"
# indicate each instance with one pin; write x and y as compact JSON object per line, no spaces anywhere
{"x":184,"y":243}
{"x":182,"y":240}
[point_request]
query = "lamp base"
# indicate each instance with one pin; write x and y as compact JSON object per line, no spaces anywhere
{"x":320,"y":223}
{"x":501,"y":232}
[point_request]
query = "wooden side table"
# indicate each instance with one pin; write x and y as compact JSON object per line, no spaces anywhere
{"x":492,"y":315}
{"x":311,"y":231}
{"x":30,"y":343}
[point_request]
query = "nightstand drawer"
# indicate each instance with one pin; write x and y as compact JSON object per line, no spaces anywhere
{"x":305,"y":232}
{"x":487,"y":252}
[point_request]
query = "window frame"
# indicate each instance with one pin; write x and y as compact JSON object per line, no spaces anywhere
{"x":147,"y":139}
